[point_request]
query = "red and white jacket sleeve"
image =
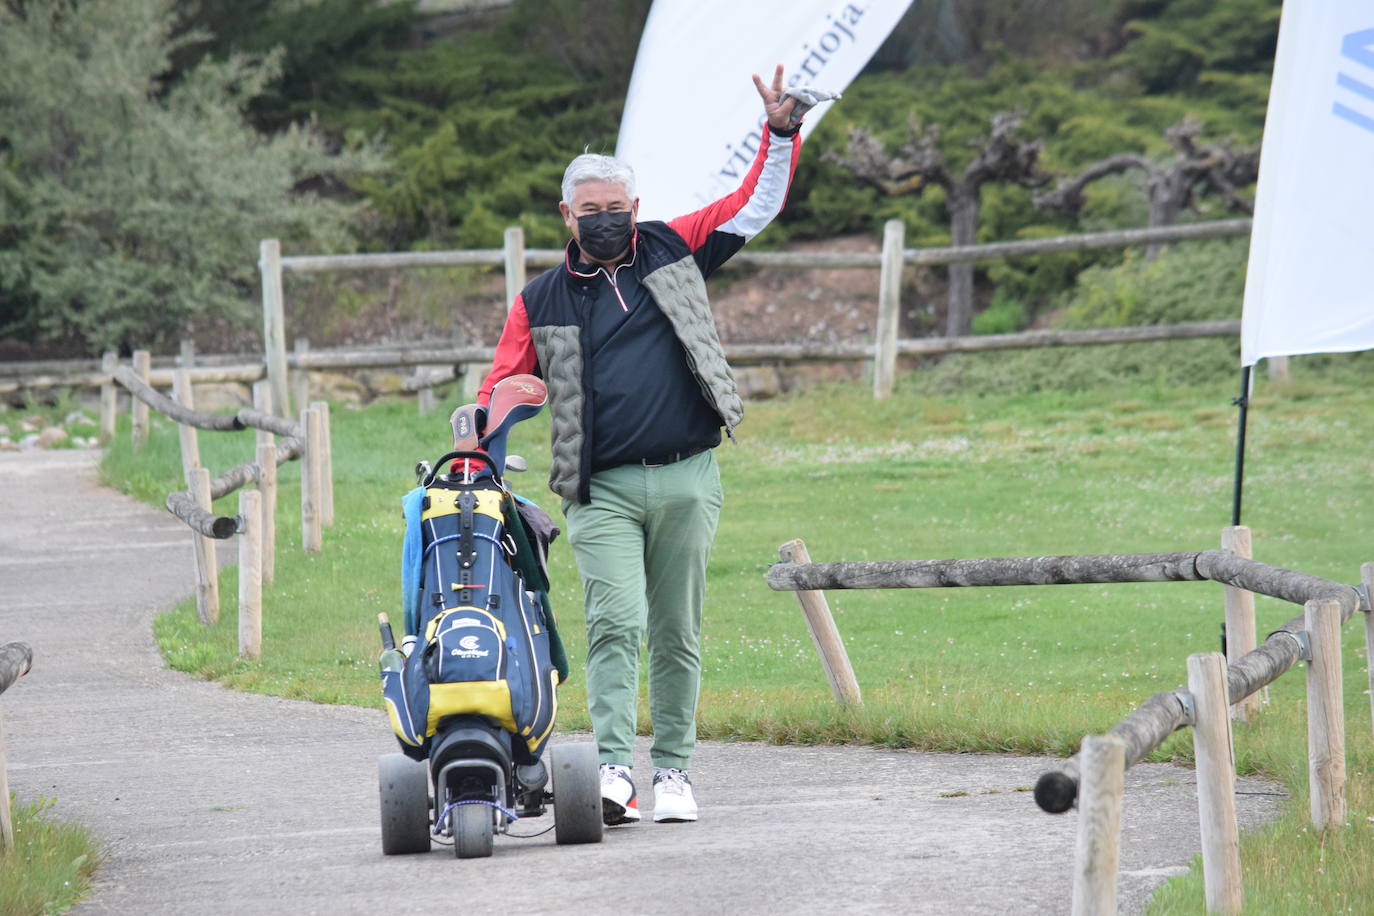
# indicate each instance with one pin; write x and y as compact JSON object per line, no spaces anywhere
{"x":515,"y":354}
{"x":719,"y":229}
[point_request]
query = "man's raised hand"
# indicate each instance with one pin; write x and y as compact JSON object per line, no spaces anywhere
{"x":778,"y":109}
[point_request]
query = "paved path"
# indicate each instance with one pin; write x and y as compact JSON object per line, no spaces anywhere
{"x":210,"y":801}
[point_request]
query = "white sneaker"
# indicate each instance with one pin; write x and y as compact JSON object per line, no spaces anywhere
{"x":673,"y":799}
{"x":619,"y":802}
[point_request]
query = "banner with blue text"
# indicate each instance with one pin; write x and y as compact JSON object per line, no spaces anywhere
{"x":1310,"y":284}
{"x":693,"y":119}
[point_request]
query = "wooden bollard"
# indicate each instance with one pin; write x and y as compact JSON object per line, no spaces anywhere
{"x":426,"y":399}
{"x":143,"y":367}
{"x":1367,"y":579}
{"x":300,"y":377}
{"x":267,"y":486}
{"x":6,"y":821}
{"x":1240,"y":619}
{"x":312,"y":538}
{"x":207,"y":564}
{"x":190,"y":446}
{"x":513,"y":250}
{"x":326,"y":465}
{"x":1102,"y":772}
{"x":834,"y":658}
{"x":889,"y":309}
{"x":1216,"y":783}
{"x":1325,"y":716}
{"x":16,"y":658}
{"x":109,"y":397}
{"x":267,"y":483}
{"x":250,"y":575}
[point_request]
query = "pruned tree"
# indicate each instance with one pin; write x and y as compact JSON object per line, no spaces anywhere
{"x":1171,"y":185}
{"x":1002,"y":156}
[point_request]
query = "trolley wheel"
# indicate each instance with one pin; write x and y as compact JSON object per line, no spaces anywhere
{"x":576,"y":793}
{"x":472,"y":831}
{"x":404,"y":785}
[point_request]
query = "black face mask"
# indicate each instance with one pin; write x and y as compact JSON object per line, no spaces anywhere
{"x":604,"y":235}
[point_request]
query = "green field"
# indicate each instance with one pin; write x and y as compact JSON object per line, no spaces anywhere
{"x":1144,"y":468}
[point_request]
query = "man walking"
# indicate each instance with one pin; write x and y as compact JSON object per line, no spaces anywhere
{"x":639,"y":389}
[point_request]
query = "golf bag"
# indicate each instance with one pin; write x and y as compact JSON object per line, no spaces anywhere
{"x":486,"y":647}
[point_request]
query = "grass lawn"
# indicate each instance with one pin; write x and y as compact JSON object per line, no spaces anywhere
{"x":1139,"y":469}
{"x":50,"y":866}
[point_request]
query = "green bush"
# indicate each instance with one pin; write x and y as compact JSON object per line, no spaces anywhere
{"x":1193,"y":281}
{"x":1004,"y":315}
{"x":128,"y":207}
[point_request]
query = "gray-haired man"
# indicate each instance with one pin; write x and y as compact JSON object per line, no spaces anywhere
{"x":639,"y":389}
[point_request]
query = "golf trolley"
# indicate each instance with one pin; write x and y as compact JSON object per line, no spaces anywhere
{"x":471,"y":693}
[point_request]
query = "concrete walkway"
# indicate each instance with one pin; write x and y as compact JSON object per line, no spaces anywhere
{"x":210,"y":801}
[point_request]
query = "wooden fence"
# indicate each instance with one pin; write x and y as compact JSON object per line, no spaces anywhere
{"x":437,"y":365}
{"x":255,"y":523}
{"x":1093,"y":778}
{"x":890,"y":261}
{"x":16,"y":658}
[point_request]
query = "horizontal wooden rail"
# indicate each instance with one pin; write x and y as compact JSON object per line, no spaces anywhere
{"x":1118,"y":238}
{"x":548,"y":257}
{"x":182,"y":503}
{"x":1215,"y":565}
{"x":247,"y":418}
{"x":1165,"y":712}
{"x":16,"y":660}
{"x":738,"y":353}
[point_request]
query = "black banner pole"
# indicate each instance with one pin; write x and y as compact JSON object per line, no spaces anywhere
{"x":1243,"y":402}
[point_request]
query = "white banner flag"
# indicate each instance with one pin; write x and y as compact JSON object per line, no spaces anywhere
{"x":1310,"y":284}
{"x":693,"y":119}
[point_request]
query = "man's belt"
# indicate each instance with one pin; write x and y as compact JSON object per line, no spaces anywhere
{"x":673,"y":458}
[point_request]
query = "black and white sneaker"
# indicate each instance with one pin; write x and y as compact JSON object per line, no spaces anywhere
{"x":619,"y":802}
{"x":674,"y":802}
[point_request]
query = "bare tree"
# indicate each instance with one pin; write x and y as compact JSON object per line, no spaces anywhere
{"x":919,"y":162}
{"x":1171,"y":185}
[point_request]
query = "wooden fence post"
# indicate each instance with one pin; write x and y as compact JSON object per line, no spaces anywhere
{"x":1278,"y":368}
{"x":207,"y":564}
{"x":1325,"y":716}
{"x":1367,"y":579}
{"x":889,"y":309}
{"x":1216,"y":783}
{"x":250,"y":575}
{"x":425,"y":398}
{"x":109,"y":397}
{"x":6,"y":821}
{"x":274,"y":323}
{"x":326,"y":465}
{"x":826,"y":637}
{"x":514,"y":250}
{"x":267,"y":483}
{"x":300,"y":378}
{"x":190,"y":444}
{"x":16,"y":658}
{"x":143,"y":367}
{"x":1240,"y":619}
{"x":312,"y":538}
{"x":1102,"y":772}
{"x":267,"y":486}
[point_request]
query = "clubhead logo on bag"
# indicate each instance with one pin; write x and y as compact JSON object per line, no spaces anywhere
{"x":468,"y":642}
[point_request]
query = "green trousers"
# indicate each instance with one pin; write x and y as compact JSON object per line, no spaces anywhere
{"x":641,"y":546}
